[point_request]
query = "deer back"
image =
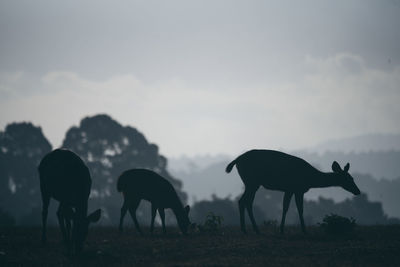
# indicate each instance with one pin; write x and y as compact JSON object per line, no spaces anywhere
{"x":148,"y":185}
{"x":275,"y":170}
{"x":65,"y":177}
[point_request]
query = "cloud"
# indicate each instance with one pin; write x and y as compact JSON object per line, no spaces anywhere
{"x":9,"y":82}
{"x":338,"y":97}
{"x":205,"y":41}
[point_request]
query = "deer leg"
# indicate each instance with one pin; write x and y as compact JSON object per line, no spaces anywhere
{"x":68,"y":226}
{"x":132,"y":210}
{"x":153,"y":216}
{"x":249,"y":205}
{"x":241,"y":211}
{"x":61,"y":222}
{"x":124,"y":209}
{"x":45,"y":210}
{"x":162,"y":216}
{"x":68,"y":215}
{"x":299,"y":204}
{"x":286,"y":201}
{"x":75,"y":236}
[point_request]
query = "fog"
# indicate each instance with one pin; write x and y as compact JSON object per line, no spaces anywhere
{"x":203,"y":77}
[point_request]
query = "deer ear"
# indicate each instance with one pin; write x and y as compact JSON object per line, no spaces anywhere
{"x":336,"y":167}
{"x":95,"y":216}
{"x":347,"y":167}
{"x":187,"y":209}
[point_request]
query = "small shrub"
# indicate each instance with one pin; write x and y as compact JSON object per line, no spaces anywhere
{"x":212,"y":224}
{"x":338,"y":225}
{"x":271,"y":223}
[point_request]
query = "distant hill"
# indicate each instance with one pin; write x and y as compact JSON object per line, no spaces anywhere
{"x":379,"y":164}
{"x":199,"y":162}
{"x":384,"y":191}
{"x":200,"y":184}
{"x":375,"y":154}
{"x":376,"y":173}
{"x":362,"y":143}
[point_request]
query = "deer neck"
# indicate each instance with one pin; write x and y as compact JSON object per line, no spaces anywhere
{"x":325,"y":179}
{"x":178,"y":210}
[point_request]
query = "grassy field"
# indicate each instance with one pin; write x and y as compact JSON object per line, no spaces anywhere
{"x":369,"y":246}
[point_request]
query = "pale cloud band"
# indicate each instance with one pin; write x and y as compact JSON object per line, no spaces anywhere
{"x":338,"y":96}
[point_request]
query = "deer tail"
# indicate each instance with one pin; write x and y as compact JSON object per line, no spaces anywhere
{"x":230,"y":166}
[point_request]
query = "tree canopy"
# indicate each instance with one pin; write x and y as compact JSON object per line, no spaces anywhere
{"x":22,"y":146}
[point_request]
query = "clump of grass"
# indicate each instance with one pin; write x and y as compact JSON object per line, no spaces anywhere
{"x":334,"y":224}
{"x":212,"y":223}
{"x":271,"y":225}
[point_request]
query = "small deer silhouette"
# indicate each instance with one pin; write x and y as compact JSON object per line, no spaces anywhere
{"x":138,"y":184}
{"x":279,"y":171}
{"x":66,"y":178}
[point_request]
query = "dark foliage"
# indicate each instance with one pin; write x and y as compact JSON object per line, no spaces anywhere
{"x":212,"y":223}
{"x":22,"y":146}
{"x":338,"y":225}
{"x":363,"y":210}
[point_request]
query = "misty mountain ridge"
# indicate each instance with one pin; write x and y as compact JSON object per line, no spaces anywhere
{"x":375,"y":171}
{"x":375,"y":154}
{"x":361,"y":143}
{"x":186,"y":163}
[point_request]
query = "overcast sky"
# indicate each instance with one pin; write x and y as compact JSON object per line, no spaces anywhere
{"x":204,"y":76}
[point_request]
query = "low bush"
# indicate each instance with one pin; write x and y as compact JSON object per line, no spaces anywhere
{"x":338,"y":225}
{"x":212,"y":223}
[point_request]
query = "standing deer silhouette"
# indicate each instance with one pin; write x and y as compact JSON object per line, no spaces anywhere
{"x":279,"y":171}
{"x":66,"y":178}
{"x":138,"y":184}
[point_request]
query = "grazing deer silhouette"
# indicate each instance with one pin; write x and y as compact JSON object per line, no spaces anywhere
{"x":138,"y":184}
{"x":279,"y":171}
{"x":65,"y":177}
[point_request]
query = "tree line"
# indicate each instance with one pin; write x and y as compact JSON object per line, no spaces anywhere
{"x":108,"y":149}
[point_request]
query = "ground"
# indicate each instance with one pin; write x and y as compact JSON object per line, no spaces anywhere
{"x":369,"y":246}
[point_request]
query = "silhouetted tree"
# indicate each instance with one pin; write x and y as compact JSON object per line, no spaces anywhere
{"x":108,"y":148}
{"x":22,"y":146}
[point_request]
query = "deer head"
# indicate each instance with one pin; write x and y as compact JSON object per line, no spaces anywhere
{"x":346,"y":181}
{"x":183,"y":219}
{"x":82,"y":227}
